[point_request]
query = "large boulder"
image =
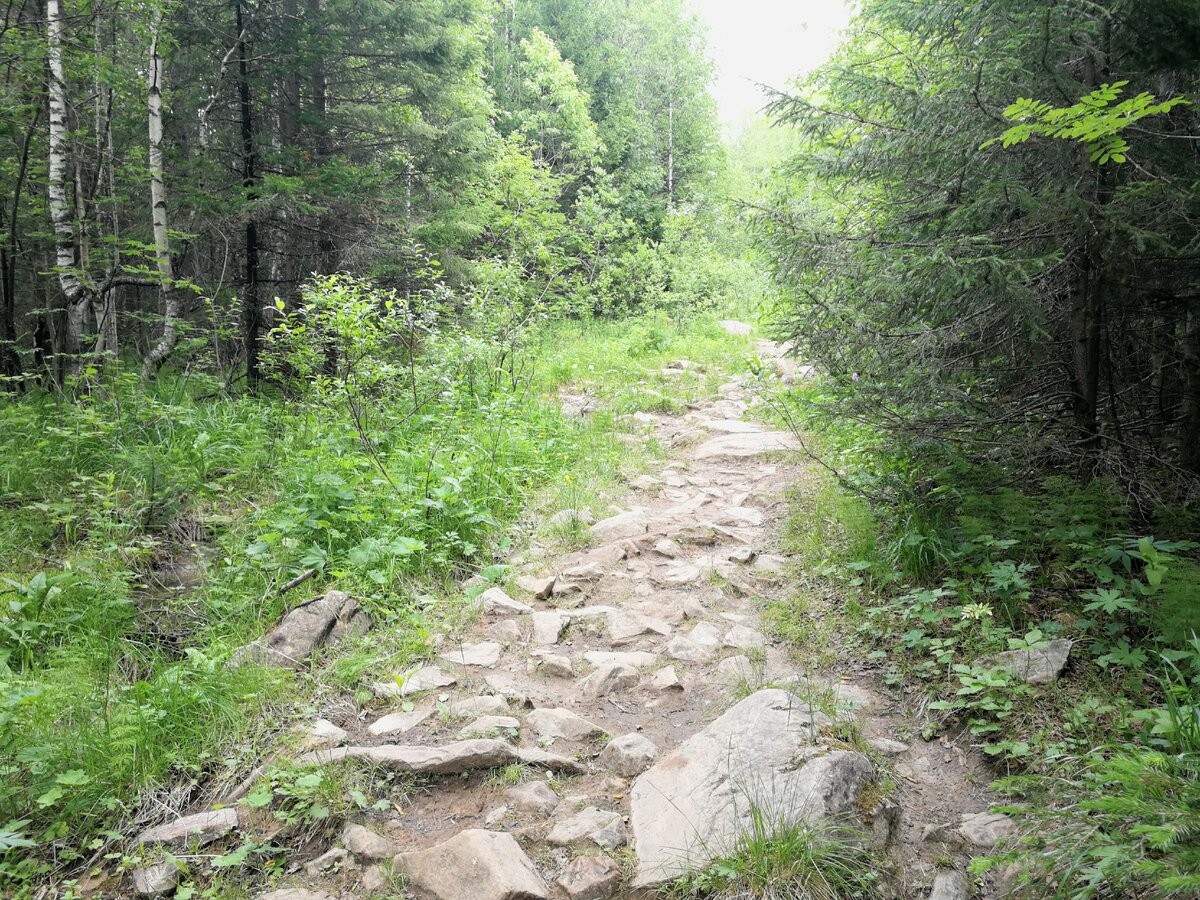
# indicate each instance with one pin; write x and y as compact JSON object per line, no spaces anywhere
{"x":310,"y":626}
{"x":474,"y":865}
{"x":695,"y":803}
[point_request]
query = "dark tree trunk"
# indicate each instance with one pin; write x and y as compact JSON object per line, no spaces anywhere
{"x":251,"y":307}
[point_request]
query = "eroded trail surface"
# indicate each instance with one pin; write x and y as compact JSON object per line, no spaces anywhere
{"x":632,"y":684}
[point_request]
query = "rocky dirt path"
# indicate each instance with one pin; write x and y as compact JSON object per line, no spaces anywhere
{"x":637,"y":709}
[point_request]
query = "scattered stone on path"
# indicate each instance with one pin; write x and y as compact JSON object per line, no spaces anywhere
{"x":623,"y":627}
{"x":951,"y":885}
{"x":557,"y":666}
{"x":668,"y":548}
{"x":697,"y":801}
{"x":1037,"y":666}
{"x":666,"y":679}
{"x":601,"y":827}
{"x":698,"y":645}
{"x":737,"y":670}
{"x":590,"y":878}
{"x":398,"y":722}
{"x":317,"y":623}
{"x":887,"y":746}
{"x":497,"y":603}
{"x":322,"y":733}
{"x":505,"y":631}
{"x":487,"y":726}
{"x":678,"y":576}
{"x":157,"y":880}
{"x":752,"y":443}
{"x":485,"y":705}
{"x":427,"y":678}
{"x":562,"y":723}
{"x":986,"y":829}
{"x":474,"y":865}
{"x":533,"y":797}
{"x":742,"y":638}
{"x":548,"y":627}
{"x":484,"y":655}
{"x":636,"y":658}
{"x":770,"y":564}
{"x":202,"y":828}
{"x":538,"y":588}
{"x":610,"y":678}
{"x":373,"y":880}
{"x":449,"y":759}
{"x":365,"y":843}
{"x":330,"y":860}
{"x":628,"y":524}
{"x":629,"y":755}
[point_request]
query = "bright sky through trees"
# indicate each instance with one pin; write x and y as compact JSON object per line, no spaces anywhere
{"x":757,"y":42}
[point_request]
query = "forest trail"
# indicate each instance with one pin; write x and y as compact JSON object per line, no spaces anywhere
{"x":609,"y":659}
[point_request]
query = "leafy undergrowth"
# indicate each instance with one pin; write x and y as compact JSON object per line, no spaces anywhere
{"x":391,"y":480}
{"x":927,"y":570}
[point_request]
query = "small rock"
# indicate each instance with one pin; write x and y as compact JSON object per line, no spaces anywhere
{"x":373,"y":880}
{"x":986,"y":829}
{"x":562,"y":723}
{"x":623,"y":628}
{"x":629,"y":524}
{"x":665,"y":679}
{"x":590,"y":878}
{"x":693,"y":607}
{"x":506,"y":631}
{"x":742,"y":638}
{"x":474,"y":865}
{"x":629,"y":755}
{"x":317,"y":623}
{"x":668,"y":548}
{"x":496,"y":816}
{"x":736,"y":670}
{"x":563,"y":588}
{"x":337,"y":858}
{"x":497,"y":603}
{"x":888,"y":747}
{"x":323,"y":733}
{"x":588,"y":826}
{"x":1040,"y":666}
{"x":610,"y":678}
{"x":557,"y":666}
{"x":770,"y":564}
{"x":950,"y":886}
{"x":365,"y":843}
{"x":487,"y":705}
{"x":157,"y":880}
{"x":202,"y":827}
{"x":548,"y":627}
{"x":485,"y":655}
{"x":741,"y":554}
{"x":449,"y":759}
{"x":486,"y":726}
{"x":533,"y":797}
{"x":538,"y":588}
{"x":427,"y":678}
{"x":677,"y":576}
{"x":635,"y":658}
{"x":398,"y":723}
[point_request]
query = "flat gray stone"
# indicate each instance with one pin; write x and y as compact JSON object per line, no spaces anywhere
{"x":504,"y":631}
{"x":589,"y":826}
{"x":365,"y":843}
{"x":636,"y":658}
{"x":562,"y":723}
{"x":538,"y":588}
{"x":321,"y":622}
{"x":630,"y":524}
{"x":1040,"y":666}
{"x":485,"y":705}
{"x":548,"y":627}
{"x":610,"y":678}
{"x":484,"y":655}
{"x":666,"y":679}
{"x":398,"y":722}
{"x":742,"y":638}
{"x":629,"y":755}
{"x":986,"y":829}
{"x":449,"y":759}
{"x":695,"y":803}
{"x":201,"y":828}
{"x":497,"y":603}
{"x":557,"y":666}
{"x":887,"y":746}
{"x":950,"y":885}
{"x":533,"y":797}
{"x":157,"y":880}
{"x":474,"y":865}
{"x":625,"y":627}
{"x":590,"y":878}
{"x":323,"y":733}
{"x":755,"y":443}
